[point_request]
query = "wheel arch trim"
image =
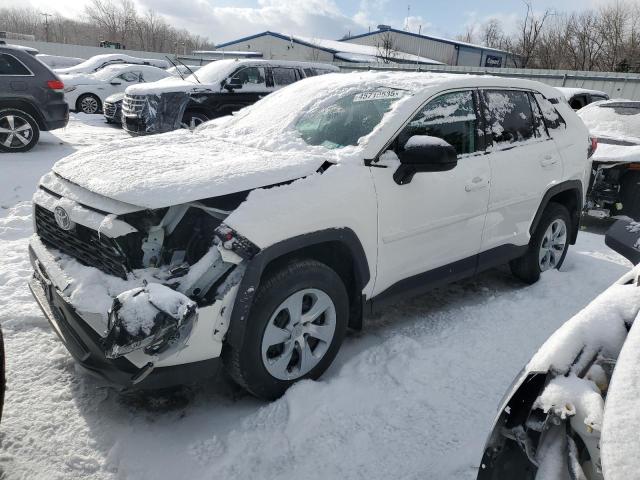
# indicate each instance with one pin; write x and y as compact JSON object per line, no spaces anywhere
{"x":574,"y":186}
{"x":258,"y":264}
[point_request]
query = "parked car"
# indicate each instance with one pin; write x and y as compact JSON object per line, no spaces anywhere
{"x":615,"y":183}
{"x":183,"y":70}
{"x":31,"y":100}
{"x":581,"y":97}
{"x":256,"y":242}
{"x":112,"y":108}
{"x":98,"y":62}
{"x":572,"y":413}
{"x":86,"y":92}
{"x":216,"y":90}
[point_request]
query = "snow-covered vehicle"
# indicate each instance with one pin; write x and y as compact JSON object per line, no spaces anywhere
{"x":572,"y":413}
{"x":578,"y":98}
{"x":259,"y":240}
{"x":216,"y":90}
{"x":87,"y":92}
{"x":98,"y":62}
{"x":112,"y":108}
{"x":615,"y":184}
{"x":3,"y":381}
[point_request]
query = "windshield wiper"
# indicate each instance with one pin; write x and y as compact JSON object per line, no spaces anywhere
{"x":175,"y":66}
{"x":192,"y":72}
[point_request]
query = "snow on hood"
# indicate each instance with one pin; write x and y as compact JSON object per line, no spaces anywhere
{"x":166,"y":85}
{"x":605,"y":119}
{"x":179,"y":167}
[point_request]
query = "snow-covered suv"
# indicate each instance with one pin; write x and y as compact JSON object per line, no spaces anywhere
{"x":258,"y":241}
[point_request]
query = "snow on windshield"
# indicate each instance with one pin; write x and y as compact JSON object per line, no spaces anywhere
{"x":214,"y":72}
{"x":348,"y":119}
{"x":612,"y":119}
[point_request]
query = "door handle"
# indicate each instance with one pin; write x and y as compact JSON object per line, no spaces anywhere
{"x":477,"y":183}
{"x":548,"y":160}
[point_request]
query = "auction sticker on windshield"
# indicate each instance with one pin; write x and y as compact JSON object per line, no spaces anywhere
{"x":376,"y":95}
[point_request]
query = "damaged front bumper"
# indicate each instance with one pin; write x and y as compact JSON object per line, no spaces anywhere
{"x":173,"y":340}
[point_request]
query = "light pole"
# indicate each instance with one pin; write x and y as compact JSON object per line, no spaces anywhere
{"x":46,"y":25}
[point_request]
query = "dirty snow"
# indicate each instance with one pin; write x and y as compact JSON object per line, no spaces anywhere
{"x":412,"y":396}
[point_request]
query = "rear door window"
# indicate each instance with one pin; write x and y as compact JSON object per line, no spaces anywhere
{"x":10,"y":65}
{"x":284,"y":76}
{"x":509,"y":116}
{"x":552,"y":119}
{"x":451,"y":117}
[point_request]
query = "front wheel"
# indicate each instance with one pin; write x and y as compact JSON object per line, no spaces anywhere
{"x":297,"y":323}
{"x":191,"y":120}
{"x":88,"y":103}
{"x":548,"y":245}
{"x":19,"y":132}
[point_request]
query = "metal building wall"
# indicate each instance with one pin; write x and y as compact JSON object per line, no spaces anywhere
{"x":278,"y":48}
{"x":82,"y":51}
{"x":440,"y":51}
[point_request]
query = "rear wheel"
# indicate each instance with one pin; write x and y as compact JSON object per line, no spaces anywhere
{"x":19,"y":132}
{"x":548,"y":245}
{"x":191,"y":120}
{"x":297,"y":323}
{"x":630,"y":195}
{"x":88,"y":103}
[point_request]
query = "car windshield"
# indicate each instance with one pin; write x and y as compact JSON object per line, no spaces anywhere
{"x":618,"y":120}
{"x":348,"y":119}
{"x":213,"y":73}
{"x":108,"y":73}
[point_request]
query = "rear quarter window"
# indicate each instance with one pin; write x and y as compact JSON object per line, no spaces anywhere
{"x":10,"y":65}
{"x":552,"y":119}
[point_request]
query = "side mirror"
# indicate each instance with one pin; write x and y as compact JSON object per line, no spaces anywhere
{"x":233,"y":84}
{"x":423,"y":153}
{"x":623,"y":238}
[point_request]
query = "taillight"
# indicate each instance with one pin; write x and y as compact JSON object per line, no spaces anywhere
{"x":593,"y":146}
{"x":56,"y":85}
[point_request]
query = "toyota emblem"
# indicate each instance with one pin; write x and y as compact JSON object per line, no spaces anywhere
{"x":62,"y":218}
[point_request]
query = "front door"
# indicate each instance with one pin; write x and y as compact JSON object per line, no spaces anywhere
{"x":252,"y":87}
{"x":437,"y":218}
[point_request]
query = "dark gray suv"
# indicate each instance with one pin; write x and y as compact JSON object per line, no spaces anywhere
{"x":31,"y":99}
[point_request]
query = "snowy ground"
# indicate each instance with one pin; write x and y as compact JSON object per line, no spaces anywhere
{"x":412,"y":396}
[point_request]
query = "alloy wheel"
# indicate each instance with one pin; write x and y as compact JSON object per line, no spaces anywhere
{"x":15,"y":131}
{"x":553,"y":244}
{"x":89,"y":105}
{"x":298,"y":334}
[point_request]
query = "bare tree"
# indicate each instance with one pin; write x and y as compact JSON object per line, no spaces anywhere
{"x":387,"y":48}
{"x":529,"y":33}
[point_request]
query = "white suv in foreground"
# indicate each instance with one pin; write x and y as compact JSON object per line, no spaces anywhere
{"x":259,"y":240}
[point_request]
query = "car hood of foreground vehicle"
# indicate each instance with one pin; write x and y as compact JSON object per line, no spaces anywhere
{"x":180,"y":167}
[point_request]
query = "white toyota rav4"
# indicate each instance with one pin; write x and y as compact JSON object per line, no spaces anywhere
{"x":255,"y":242}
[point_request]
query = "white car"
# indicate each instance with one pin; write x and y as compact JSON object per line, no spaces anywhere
{"x":572,"y":412}
{"x":98,"y":62}
{"x":614,"y":189}
{"x":258,"y":241}
{"x":581,"y":97}
{"x":87,"y":92}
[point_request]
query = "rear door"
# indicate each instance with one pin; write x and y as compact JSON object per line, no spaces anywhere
{"x":524,"y":162}
{"x":13,"y":75}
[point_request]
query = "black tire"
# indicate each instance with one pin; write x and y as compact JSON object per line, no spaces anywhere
{"x":245,"y":365}
{"x":191,"y":120}
{"x":86,"y":109}
{"x":630,"y":195}
{"x":527,"y":267}
{"x":19,"y":118}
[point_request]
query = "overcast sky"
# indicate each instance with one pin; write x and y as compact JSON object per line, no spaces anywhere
{"x":224,"y":20}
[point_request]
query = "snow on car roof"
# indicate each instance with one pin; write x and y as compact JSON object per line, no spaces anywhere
{"x":570,"y":92}
{"x":616,"y":118}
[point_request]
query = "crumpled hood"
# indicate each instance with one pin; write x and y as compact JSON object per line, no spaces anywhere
{"x":180,"y":167}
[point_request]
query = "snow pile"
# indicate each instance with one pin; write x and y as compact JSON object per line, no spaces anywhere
{"x":567,"y":395}
{"x":139,"y":307}
{"x":600,"y":327}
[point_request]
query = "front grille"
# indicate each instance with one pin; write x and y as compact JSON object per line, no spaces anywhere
{"x":133,"y":104}
{"x":109,"y":109}
{"x":82,"y":243}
